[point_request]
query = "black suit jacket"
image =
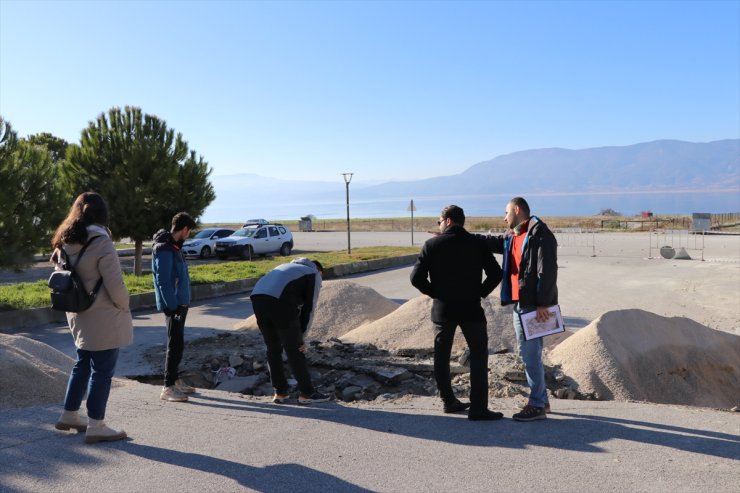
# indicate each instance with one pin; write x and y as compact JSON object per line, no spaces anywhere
{"x":450,"y":270}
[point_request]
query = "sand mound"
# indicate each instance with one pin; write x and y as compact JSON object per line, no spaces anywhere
{"x":410,"y":327}
{"x":31,"y":373}
{"x":638,"y":355}
{"x":249,"y":323}
{"x":342,"y":306}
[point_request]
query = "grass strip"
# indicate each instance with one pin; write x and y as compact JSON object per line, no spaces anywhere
{"x":36,"y":294}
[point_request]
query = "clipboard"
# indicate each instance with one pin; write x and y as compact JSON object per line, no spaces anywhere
{"x":533,"y":329}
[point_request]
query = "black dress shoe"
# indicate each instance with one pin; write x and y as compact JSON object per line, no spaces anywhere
{"x":456,"y":406}
{"x":484,"y":415}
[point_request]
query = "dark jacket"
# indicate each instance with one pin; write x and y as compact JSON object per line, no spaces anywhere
{"x":450,"y":269}
{"x":169,"y":272}
{"x":538,"y":272}
{"x":296,"y":286}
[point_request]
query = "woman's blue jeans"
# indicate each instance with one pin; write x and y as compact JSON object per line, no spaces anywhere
{"x":92,"y":373}
{"x":531,"y":354}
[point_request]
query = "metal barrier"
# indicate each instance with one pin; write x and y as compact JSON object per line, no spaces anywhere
{"x":676,"y":244}
{"x":578,"y":238}
{"x":583,"y":240}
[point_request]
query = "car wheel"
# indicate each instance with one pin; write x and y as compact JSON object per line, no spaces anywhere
{"x":205,"y":252}
{"x":285,"y":249}
{"x":246,"y":252}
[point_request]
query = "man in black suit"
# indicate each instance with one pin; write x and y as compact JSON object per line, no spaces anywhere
{"x":449,"y":270}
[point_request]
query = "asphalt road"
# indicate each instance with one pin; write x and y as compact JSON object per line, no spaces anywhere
{"x":222,"y":442}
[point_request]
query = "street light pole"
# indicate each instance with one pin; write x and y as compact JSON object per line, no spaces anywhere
{"x":347,"y":179}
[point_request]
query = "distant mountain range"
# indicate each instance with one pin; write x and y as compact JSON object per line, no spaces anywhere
{"x":663,"y":164}
{"x":659,"y":166}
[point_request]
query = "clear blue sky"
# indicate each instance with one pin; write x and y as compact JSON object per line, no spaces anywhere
{"x":387,"y":90}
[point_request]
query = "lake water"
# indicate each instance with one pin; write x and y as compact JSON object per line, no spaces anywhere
{"x":629,"y":204}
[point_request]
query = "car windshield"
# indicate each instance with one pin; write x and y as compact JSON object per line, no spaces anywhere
{"x":248,"y":232}
{"x":204,"y":234}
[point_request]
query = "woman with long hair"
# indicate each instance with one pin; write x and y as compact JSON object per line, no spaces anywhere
{"x":103,"y":328}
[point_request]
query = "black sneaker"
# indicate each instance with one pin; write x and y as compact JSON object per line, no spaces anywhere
{"x":530,"y":413}
{"x":455,"y":406}
{"x":313,"y":398}
{"x":484,"y":415}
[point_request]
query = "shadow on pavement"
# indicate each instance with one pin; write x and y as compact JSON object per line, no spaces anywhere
{"x":274,"y":478}
{"x":564,"y":431}
{"x":601,"y":428}
{"x":575,"y":322}
{"x":22,"y":465}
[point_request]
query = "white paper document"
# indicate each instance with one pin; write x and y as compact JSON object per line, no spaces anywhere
{"x":534,"y":329}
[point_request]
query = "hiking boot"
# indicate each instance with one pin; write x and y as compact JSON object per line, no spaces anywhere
{"x":185,"y":389}
{"x":280,"y":398}
{"x":171,"y":394}
{"x":484,"y":415}
{"x":455,"y":406}
{"x":71,"y":420}
{"x":97,"y":431}
{"x":313,"y":398}
{"x":530,"y":413}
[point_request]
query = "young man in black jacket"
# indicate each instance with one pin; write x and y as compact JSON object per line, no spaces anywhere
{"x":449,"y":270}
{"x":530,"y":265}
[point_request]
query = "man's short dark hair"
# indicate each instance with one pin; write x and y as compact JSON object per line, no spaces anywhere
{"x":182,"y":220}
{"x":318,"y":265}
{"x":521,"y":203}
{"x":454,"y":213}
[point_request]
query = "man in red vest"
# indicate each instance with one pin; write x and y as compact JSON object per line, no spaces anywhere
{"x":529,"y":283}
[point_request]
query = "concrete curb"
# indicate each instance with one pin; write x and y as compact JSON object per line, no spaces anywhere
{"x":39,"y":316}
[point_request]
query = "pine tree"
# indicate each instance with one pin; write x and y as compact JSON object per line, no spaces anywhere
{"x":33,"y":201}
{"x":144,"y":171}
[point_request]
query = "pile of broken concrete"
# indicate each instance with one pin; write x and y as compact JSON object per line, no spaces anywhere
{"x":235,"y":362}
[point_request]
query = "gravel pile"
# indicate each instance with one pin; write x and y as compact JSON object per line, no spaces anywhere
{"x":342,"y":306}
{"x":637,"y":355}
{"x":31,"y":373}
{"x":410,"y":327}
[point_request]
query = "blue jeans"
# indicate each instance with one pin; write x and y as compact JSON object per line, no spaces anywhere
{"x":531,"y":354}
{"x":92,"y":372}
